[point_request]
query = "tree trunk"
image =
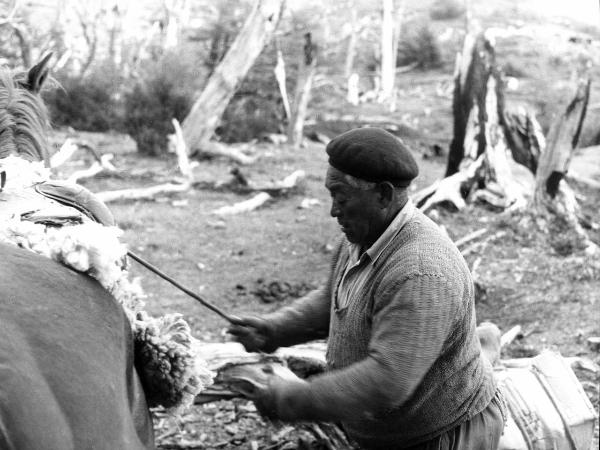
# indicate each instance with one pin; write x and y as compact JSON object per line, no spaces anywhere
{"x":562,"y":139}
{"x":472,"y":71}
{"x":480,"y":162}
{"x":553,"y":199}
{"x":281,"y":78}
{"x":200,"y":124}
{"x":401,"y":5}
{"x":306,"y":73}
{"x":494,"y":154}
{"x":388,"y":61}
{"x":351,"y":51}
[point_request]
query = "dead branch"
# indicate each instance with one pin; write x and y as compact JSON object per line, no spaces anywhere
{"x":248,"y":205}
{"x":469,"y":237}
{"x":217,"y":149}
{"x":241,"y":184}
{"x":181,"y":151}
{"x":142,"y":193}
{"x":281,"y":77}
{"x":104,"y":165}
{"x":510,"y":335}
{"x":161,"y":189}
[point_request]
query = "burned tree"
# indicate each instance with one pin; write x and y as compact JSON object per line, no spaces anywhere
{"x":553,"y":199}
{"x":481,"y":165}
{"x":500,"y":156}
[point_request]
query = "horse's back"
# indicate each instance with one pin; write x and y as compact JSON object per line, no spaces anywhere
{"x":67,"y":379}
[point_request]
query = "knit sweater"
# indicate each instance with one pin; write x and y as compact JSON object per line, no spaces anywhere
{"x":404,"y":362}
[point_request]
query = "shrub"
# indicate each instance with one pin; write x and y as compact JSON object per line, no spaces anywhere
{"x":149,"y":108}
{"x":419,"y":45}
{"x":256,"y":108}
{"x":446,"y":9}
{"x":165,"y":90}
{"x":88,"y":104}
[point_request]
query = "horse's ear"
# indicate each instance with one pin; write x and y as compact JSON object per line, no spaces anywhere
{"x":37,"y":75}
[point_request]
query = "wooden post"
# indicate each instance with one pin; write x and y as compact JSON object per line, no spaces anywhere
{"x":201,"y":122}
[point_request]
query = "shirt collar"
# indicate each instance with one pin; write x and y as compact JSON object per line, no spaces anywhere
{"x":375,"y":250}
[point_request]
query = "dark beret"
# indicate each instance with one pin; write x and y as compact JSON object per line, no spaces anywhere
{"x":372,"y":154}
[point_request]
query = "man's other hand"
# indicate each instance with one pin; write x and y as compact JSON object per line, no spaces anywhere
{"x":254,"y":333}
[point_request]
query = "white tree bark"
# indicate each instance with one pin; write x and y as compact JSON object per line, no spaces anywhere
{"x":388,"y":61}
{"x":351,"y":51}
{"x":280,"y":76}
{"x":200,"y":124}
{"x":306,"y":73}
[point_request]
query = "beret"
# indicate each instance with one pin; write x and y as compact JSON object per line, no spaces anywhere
{"x":372,"y":154}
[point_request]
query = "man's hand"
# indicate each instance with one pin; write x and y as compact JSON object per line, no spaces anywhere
{"x":254,"y":333}
{"x":276,"y":391}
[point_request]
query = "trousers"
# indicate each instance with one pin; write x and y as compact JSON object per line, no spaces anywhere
{"x":481,"y":432}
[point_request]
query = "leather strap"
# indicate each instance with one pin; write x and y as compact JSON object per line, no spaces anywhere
{"x":77,"y":197}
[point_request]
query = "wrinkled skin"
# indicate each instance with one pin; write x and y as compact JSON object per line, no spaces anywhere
{"x":363,"y":214}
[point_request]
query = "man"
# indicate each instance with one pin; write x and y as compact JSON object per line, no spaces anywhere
{"x":404,"y":363}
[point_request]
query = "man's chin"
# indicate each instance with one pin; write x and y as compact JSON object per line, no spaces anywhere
{"x":349,"y":236}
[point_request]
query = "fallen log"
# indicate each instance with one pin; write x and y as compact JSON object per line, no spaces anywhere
{"x":217,"y":149}
{"x":248,"y":205}
{"x":240,"y":183}
{"x":68,"y":149}
{"x":151,"y":192}
{"x":104,"y":165}
{"x":142,"y":193}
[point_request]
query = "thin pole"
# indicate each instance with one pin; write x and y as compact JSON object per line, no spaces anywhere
{"x":231,"y":319}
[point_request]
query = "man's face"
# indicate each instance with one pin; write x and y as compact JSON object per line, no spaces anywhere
{"x":356,"y":210}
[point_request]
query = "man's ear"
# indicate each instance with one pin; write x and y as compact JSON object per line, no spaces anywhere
{"x":37,"y":75}
{"x":386,"y":193}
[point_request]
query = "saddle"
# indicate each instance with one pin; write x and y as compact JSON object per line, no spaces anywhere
{"x":73,"y":196}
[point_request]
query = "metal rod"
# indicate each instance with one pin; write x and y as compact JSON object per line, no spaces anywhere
{"x":231,"y":319}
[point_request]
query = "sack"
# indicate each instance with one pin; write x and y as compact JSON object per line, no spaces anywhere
{"x":547,"y":404}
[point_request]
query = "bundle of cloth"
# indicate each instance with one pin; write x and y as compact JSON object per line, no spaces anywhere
{"x":71,"y":226}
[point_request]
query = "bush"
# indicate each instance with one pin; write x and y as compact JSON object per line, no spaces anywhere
{"x":149,"y":108}
{"x":446,"y":10}
{"x":256,"y":108}
{"x":88,"y":104}
{"x":419,"y":45}
{"x":164,"y":91}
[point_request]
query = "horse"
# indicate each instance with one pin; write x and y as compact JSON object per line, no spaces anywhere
{"x":67,"y":373}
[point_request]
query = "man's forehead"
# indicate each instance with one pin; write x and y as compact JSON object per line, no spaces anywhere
{"x":335,"y":178}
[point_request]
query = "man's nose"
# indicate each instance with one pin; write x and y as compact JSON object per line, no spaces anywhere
{"x":335,"y":210}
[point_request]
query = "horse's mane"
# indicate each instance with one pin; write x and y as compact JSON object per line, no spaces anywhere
{"x":23,"y":120}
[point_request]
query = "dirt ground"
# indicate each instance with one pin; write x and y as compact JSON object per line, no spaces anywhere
{"x":258,"y":261}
